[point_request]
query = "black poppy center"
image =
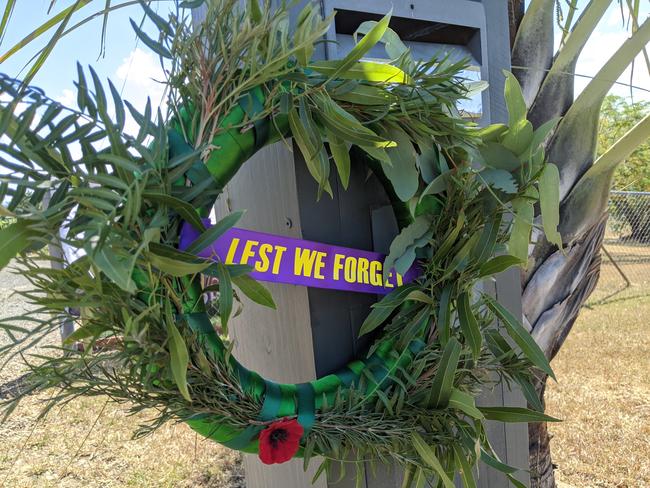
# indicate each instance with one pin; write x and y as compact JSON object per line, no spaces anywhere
{"x":278,"y":436}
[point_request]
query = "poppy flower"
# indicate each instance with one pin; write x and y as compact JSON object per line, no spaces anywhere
{"x":280,"y":441}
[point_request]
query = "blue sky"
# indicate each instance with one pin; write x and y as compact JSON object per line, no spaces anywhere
{"x":131,"y":65}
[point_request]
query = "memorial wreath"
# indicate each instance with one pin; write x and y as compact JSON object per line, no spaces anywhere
{"x":152,"y":315}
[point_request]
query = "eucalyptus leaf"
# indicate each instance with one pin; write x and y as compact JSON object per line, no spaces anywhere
{"x":520,"y":335}
{"x":549,"y":202}
{"x":254,"y":290}
{"x":179,"y":358}
{"x":469,"y":325}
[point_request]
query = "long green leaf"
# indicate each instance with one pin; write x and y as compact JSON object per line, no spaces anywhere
{"x":362,"y":47}
{"x":13,"y":239}
{"x":549,"y":202}
{"x":515,"y":414}
{"x":179,"y":359}
{"x":214,"y":232}
{"x":254,"y":290}
{"x":499,"y":264}
{"x":9,"y":8}
{"x":40,"y":30}
{"x":385,"y":307}
{"x":520,"y":335}
{"x":443,"y":381}
{"x":466,"y":471}
{"x":364,"y":70}
{"x":225,"y":296}
{"x":514,"y":100}
{"x":465,"y":403}
{"x":469,"y":325}
{"x":429,"y":457}
{"x":175,"y":267}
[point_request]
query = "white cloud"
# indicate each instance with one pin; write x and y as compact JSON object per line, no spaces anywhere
{"x":138,"y":77}
{"x":68,"y":98}
{"x":608,"y":37}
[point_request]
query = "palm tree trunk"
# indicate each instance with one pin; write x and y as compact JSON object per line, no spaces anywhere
{"x":551,"y":314}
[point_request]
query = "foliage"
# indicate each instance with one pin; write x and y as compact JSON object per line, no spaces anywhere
{"x":240,"y":81}
{"x":617,"y":116}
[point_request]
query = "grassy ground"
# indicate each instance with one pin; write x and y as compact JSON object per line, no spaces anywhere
{"x":88,"y":443}
{"x":603,"y":394}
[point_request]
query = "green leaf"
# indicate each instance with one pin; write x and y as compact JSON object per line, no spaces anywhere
{"x":345,"y":126}
{"x":465,"y":403}
{"x":161,"y":24}
{"x":179,"y":359}
{"x":84,"y":332}
{"x":518,"y":137}
{"x":155,"y":46}
{"x":443,"y":381}
{"x":486,"y":244}
{"x":384,"y":308}
{"x":466,"y":470}
{"x":364,"y":70}
{"x":444,"y":314}
{"x":499,"y":264}
{"x":496,"y":463}
{"x":13,"y":240}
{"x":341,"y":154}
{"x":514,"y":100}
{"x":523,"y":224}
{"x":5,"y":17}
{"x":420,"y":227}
{"x":362,"y":47}
{"x":520,"y":335}
{"x":499,"y":179}
{"x":541,"y":133}
{"x":366,"y":95}
{"x":529,"y":392}
{"x":254,"y":11}
{"x":438,"y":185}
{"x":214,"y":232}
{"x":549,"y":202}
{"x":394,"y":46}
{"x":515,"y":414}
{"x":225,"y":296}
{"x":492,"y":133}
{"x":496,"y":155}
{"x":469,"y":326}
{"x":184,"y":209}
{"x":254,"y":290}
{"x":428,"y":455}
{"x":175,"y":267}
{"x":402,"y":173}
{"x":116,"y":267}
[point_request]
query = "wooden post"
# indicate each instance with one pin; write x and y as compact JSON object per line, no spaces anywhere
{"x":314,"y":332}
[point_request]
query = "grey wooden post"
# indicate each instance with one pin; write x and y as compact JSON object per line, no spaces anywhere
{"x":314,"y":332}
{"x":56,"y":252}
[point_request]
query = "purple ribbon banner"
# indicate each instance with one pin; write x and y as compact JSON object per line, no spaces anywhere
{"x":279,"y":259}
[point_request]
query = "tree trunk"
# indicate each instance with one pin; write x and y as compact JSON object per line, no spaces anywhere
{"x":554,"y":293}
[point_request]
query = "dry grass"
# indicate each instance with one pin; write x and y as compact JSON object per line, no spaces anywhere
{"x":604,"y":396}
{"x":88,"y":443}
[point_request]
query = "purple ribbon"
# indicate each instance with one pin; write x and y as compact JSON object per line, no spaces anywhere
{"x":279,"y":259}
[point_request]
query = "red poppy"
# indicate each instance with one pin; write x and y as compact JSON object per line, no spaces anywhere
{"x":280,"y":441}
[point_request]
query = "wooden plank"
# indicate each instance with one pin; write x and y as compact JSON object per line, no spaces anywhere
{"x":277,"y":344}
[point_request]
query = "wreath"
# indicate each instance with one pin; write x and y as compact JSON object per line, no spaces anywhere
{"x":464,"y":198}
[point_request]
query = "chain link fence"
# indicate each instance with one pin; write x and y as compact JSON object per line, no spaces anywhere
{"x":625,"y":272}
